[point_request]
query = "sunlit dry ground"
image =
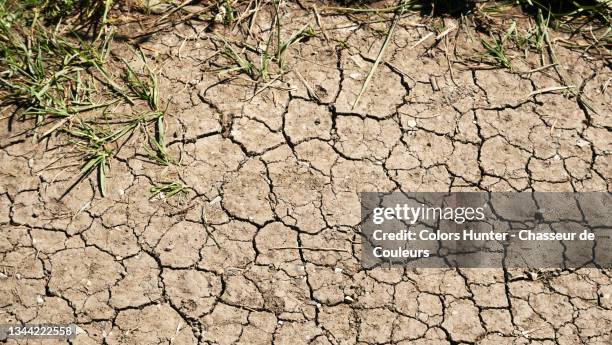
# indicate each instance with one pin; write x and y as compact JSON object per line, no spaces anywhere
{"x":265,"y":247}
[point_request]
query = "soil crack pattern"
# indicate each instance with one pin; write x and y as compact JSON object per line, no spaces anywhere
{"x":265,"y":247}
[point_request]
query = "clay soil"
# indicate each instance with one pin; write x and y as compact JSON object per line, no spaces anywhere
{"x":265,"y":248}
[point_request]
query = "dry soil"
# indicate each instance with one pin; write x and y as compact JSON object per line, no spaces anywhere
{"x":266,"y":249}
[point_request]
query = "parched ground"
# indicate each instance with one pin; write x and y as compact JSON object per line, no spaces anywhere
{"x":266,"y":248}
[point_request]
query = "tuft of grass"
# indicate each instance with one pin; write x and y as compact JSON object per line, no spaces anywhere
{"x":166,"y":190}
{"x":158,"y":151}
{"x":144,"y":88}
{"x":267,"y":63}
{"x":97,"y":161}
{"x":94,"y":143}
{"x":283,"y":46}
{"x":590,"y":20}
{"x":568,"y":12}
{"x":83,"y":11}
{"x":241,"y":63}
{"x":228,"y":11}
{"x":540,"y":33}
{"x":53,"y":76}
{"x":496,"y":48}
{"x":46,"y":77}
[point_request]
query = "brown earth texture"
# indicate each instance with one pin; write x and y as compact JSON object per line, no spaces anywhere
{"x":265,"y":247}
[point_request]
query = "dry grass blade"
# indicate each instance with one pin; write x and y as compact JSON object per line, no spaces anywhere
{"x":401,"y":7}
{"x":172,"y":11}
{"x":422,"y":40}
{"x":565,"y":78}
{"x":378,"y":58}
{"x":445,"y":32}
{"x":548,"y":90}
{"x":538,"y":69}
{"x":311,"y":91}
{"x":166,"y":190}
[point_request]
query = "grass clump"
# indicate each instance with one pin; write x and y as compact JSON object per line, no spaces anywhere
{"x":43,"y":74}
{"x":257,"y":63}
{"x":84,"y":16}
{"x":144,"y":88}
{"x":496,"y":48}
{"x":589,"y":20}
{"x":55,"y":75}
{"x":264,"y":59}
{"x":167,"y":190}
{"x":568,"y":12}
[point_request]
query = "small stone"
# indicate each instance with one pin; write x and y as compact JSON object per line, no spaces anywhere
{"x":39,"y":300}
{"x":221,"y":15}
{"x":338,"y":270}
{"x":582,"y":143}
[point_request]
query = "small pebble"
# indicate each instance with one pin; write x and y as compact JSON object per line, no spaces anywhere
{"x":582,"y":143}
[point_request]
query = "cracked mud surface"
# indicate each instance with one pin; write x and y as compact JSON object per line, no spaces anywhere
{"x":267,"y":251}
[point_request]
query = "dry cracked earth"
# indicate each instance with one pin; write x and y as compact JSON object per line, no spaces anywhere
{"x":266,"y":248}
